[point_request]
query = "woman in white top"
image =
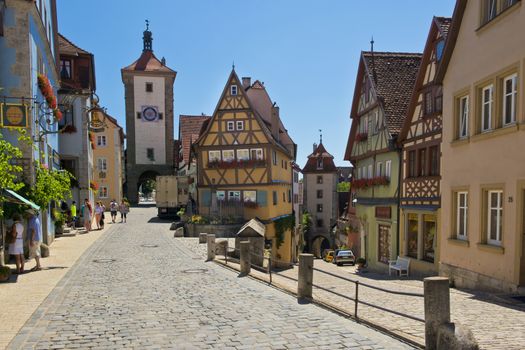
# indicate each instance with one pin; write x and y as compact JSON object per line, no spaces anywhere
{"x":17,"y":247}
{"x":99,"y":210}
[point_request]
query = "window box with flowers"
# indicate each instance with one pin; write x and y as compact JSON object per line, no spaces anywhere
{"x":251,"y":163}
{"x":362,"y":136}
{"x":69,"y":129}
{"x":365,"y":183}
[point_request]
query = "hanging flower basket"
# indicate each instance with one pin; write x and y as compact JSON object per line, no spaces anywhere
{"x":47,"y":91}
{"x":93,"y":185}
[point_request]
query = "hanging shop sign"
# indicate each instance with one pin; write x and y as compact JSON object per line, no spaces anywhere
{"x":97,"y":120}
{"x":383,"y":212}
{"x":14,"y":115}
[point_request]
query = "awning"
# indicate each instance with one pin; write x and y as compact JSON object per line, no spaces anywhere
{"x":16,"y":198}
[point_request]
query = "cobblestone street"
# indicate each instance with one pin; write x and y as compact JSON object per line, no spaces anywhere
{"x":137,"y":287}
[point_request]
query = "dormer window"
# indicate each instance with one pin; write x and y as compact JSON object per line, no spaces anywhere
{"x":319,"y":163}
{"x":65,"y":69}
{"x":233,"y":90}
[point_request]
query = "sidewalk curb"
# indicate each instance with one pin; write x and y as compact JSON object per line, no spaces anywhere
{"x":331,"y":308}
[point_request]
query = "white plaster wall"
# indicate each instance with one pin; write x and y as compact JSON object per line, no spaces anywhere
{"x":149,"y":134}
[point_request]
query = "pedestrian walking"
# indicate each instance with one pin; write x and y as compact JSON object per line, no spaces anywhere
{"x":34,"y":230}
{"x":113,"y":208}
{"x":99,"y":211}
{"x":74,"y":213}
{"x":124,"y":210}
{"x":16,"y":243}
{"x":87,"y":212}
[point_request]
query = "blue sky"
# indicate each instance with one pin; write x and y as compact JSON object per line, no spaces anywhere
{"x":305,"y":51}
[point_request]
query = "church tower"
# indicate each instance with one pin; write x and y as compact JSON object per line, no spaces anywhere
{"x":148,"y":88}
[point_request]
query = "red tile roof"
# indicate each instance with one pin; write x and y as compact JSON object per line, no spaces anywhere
{"x":328,"y":161}
{"x":190,"y":128}
{"x":147,"y":62}
{"x":67,"y":47}
{"x":394,"y":75}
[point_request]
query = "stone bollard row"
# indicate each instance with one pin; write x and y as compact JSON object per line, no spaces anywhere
{"x":245,"y":258}
{"x":211,"y":246}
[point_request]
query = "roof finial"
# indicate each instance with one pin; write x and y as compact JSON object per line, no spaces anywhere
{"x":320,"y":136}
{"x":233,"y":65}
{"x":147,"y":38}
{"x":373,"y":60}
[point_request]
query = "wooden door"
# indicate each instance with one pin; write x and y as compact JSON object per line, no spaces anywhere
{"x":384,"y":243}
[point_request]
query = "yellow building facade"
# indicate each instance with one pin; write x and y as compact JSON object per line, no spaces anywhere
{"x":108,"y":162}
{"x":244,"y":163}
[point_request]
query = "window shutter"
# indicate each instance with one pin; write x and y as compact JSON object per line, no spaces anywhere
{"x":261,"y":198}
{"x":206,"y":197}
{"x":138,"y":115}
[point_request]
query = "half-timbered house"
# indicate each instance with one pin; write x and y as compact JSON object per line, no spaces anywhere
{"x":420,"y":139}
{"x":382,"y":93}
{"x":244,"y":160}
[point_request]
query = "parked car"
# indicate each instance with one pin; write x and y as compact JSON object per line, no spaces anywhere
{"x":329,"y":256}
{"x":344,"y":257}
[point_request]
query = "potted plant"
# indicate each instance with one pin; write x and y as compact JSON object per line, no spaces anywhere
{"x":5,"y":273}
{"x":361,"y":262}
{"x":60,"y":220}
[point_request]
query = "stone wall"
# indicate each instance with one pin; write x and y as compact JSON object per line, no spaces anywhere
{"x":220,"y":231}
{"x":463,"y":278}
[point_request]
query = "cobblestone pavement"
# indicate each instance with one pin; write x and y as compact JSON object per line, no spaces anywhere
{"x":494,"y":323}
{"x":137,"y":287}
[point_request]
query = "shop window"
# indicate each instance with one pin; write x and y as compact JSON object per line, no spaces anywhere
{"x":412,"y":233}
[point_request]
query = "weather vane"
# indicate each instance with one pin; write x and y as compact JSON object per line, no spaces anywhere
{"x":147,"y":24}
{"x":320,"y":136}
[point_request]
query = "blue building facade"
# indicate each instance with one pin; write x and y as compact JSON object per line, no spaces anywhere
{"x":28,"y":48}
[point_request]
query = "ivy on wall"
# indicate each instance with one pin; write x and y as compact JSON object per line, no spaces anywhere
{"x":281,"y":226}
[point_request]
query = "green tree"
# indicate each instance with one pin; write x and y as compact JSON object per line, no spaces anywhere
{"x":148,"y":186}
{"x":50,"y":185}
{"x":343,"y":186}
{"x":8,"y":171}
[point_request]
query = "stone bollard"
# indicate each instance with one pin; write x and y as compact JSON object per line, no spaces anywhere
{"x":437,"y":308}
{"x":202,"y":237}
{"x":211,"y":246}
{"x":306,"y":276}
{"x":245,"y":259}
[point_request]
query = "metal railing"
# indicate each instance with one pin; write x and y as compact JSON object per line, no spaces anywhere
{"x":269,"y":268}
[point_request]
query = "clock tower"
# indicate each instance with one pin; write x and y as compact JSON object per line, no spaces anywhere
{"x":148,"y":88}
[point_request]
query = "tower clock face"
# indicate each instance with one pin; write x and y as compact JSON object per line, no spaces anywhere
{"x":149,"y":114}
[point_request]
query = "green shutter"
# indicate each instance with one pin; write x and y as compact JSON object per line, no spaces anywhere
{"x":261,"y":198}
{"x":205,"y":197}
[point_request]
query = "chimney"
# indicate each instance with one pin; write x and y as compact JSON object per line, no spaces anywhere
{"x":246,"y":82}
{"x":163,"y":61}
{"x":315,"y":147}
{"x":275,"y":121}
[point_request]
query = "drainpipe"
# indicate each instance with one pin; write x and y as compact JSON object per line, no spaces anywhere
{"x":399,"y":154}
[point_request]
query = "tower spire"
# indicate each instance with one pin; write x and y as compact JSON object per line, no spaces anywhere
{"x":373,"y":60}
{"x":147,"y":38}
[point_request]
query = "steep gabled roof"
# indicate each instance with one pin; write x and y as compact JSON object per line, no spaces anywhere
{"x":263,"y":100}
{"x":393,"y":75}
{"x":441,"y":24}
{"x":327,"y":158}
{"x":190,"y":128}
{"x":65,"y":46}
{"x":120,"y":130}
{"x":148,"y":62}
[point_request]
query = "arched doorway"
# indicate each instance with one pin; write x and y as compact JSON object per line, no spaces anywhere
{"x":146,"y":187}
{"x":319,"y":244}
